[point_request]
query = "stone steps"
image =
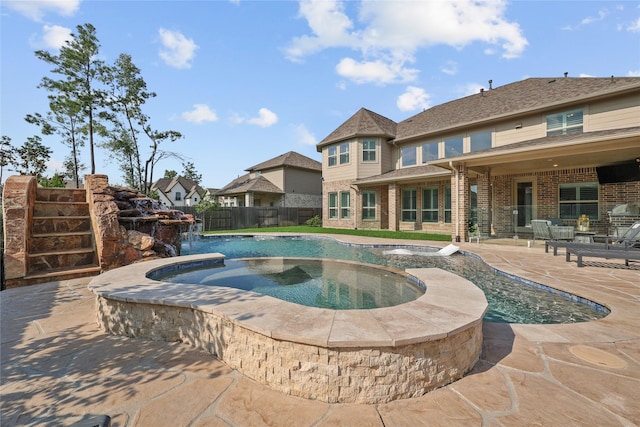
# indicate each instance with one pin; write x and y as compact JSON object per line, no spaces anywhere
{"x":61,"y":244}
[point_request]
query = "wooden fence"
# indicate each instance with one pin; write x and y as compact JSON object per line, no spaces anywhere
{"x":252,"y":217}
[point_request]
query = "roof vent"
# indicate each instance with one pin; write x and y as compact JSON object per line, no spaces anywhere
{"x":482,"y":91}
{"x":490,"y":84}
{"x":566,"y":74}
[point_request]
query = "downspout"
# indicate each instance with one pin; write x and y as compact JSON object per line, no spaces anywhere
{"x":457,"y":175}
{"x":355,"y":207}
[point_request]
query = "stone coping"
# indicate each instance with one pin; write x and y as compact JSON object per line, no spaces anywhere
{"x":450,"y":304}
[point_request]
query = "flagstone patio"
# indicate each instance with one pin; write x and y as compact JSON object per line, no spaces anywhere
{"x":58,"y":367}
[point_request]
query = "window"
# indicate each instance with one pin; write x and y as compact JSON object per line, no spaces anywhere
{"x":368,"y":205}
{"x":178,"y":195}
{"x":333,"y":205}
{"x":480,"y":141}
{"x":408,"y":156}
{"x":369,"y":150}
{"x":579,"y":199}
{"x":409,"y":205}
{"x":564,"y":123}
{"x":333,"y":156}
{"x":344,"y":153}
{"x":429,"y":152}
{"x":453,"y":147}
{"x":430,"y":204}
{"x":345,"y":204}
{"x":447,"y":204}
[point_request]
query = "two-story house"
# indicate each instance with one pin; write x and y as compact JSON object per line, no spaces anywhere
{"x":178,"y":191}
{"x":289,"y":180}
{"x":538,"y":148}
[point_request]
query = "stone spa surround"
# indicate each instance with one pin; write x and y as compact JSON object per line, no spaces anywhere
{"x":335,"y":356}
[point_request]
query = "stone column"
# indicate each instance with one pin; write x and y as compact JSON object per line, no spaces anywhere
{"x":18,"y":196}
{"x":104,"y":221}
{"x":393,"y":207}
{"x":484,"y":204}
{"x":460,"y":204}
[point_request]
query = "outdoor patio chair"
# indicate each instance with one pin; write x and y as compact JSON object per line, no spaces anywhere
{"x":544,"y":230}
{"x":629,"y":239}
{"x":626,"y":254}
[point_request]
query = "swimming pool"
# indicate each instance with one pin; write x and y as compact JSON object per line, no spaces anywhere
{"x":321,"y":283}
{"x":511,"y":300}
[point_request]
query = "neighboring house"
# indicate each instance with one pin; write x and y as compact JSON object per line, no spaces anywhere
{"x":537,"y":148}
{"x":289,"y":180}
{"x":178,"y":191}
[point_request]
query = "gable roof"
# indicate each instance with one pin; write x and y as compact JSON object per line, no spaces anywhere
{"x":406,"y":174}
{"x":165,"y":185}
{"x":292,"y":159}
{"x":362,"y":123}
{"x":519,"y":98}
{"x":246,"y":184}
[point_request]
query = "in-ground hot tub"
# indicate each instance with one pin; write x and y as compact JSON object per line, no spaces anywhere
{"x":346,"y":356}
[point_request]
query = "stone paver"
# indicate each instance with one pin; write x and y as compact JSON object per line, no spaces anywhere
{"x":57,"y":367}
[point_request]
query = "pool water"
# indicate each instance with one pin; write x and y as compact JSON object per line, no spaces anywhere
{"x":511,"y":300}
{"x":320,"y":283}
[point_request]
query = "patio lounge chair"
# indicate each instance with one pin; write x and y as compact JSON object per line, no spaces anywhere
{"x":544,"y":230}
{"x":627,"y":255}
{"x":630,"y":238}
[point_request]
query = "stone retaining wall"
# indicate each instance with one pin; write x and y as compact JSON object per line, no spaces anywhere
{"x":334,"y":375}
{"x":336,"y":356}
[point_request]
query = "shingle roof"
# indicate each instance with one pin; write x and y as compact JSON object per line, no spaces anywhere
{"x":514,"y":99}
{"x":415,"y":172}
{"x":362,"y":123}
{"x":292,"y":159}
{"x":521,"y":97}
{"x":246,"y":184}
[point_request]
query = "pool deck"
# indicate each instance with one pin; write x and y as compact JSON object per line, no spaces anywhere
{"x":58,"y":367}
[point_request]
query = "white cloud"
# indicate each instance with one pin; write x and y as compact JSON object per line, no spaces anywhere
{"x":635,"y":26}
{"x":55,"y":36}
{"x":450,"y":68}
{"x":378,"y":71}
{"x":201,"y":113}
{"x":303,"y":135}
{"x":591,"y":19}
{"x":391,"y":32}
{"x":634,"y":73}
{"x":36,"y":9}
{"x":413,"y":98}
{"x":265,"y":118}
{"x":177,"y":50}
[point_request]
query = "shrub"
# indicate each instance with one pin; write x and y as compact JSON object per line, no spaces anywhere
{"x":316,"y":221}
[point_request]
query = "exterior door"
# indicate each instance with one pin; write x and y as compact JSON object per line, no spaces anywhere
{"x":524,"y":203}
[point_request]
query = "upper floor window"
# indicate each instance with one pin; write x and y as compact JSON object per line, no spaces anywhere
{"x":368,"y":205}
{"x":332,"y":156}
{"x":369,"y":150}
{"x":344,"y":153}
{"x":453,"y":147}
{"x":480,"y":141}
{"x":564,"y":123}
{"x":579,"y":199}
{"x":178,"y":195}
{"x":429,"y":152}
{"x":408,"y":156}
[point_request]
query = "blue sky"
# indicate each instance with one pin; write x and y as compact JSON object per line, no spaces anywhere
{"x":245,"y":81}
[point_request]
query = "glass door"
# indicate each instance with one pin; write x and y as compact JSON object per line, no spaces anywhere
{"x":524,"y":203}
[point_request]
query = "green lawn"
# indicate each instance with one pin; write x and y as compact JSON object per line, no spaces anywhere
{"x":385,"y":234}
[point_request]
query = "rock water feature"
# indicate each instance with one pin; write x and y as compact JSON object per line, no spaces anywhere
{"x":131,"y":227}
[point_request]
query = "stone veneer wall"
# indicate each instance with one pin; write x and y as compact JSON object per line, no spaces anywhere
{"x":19,"y":192}
{"x":334,"y":375}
